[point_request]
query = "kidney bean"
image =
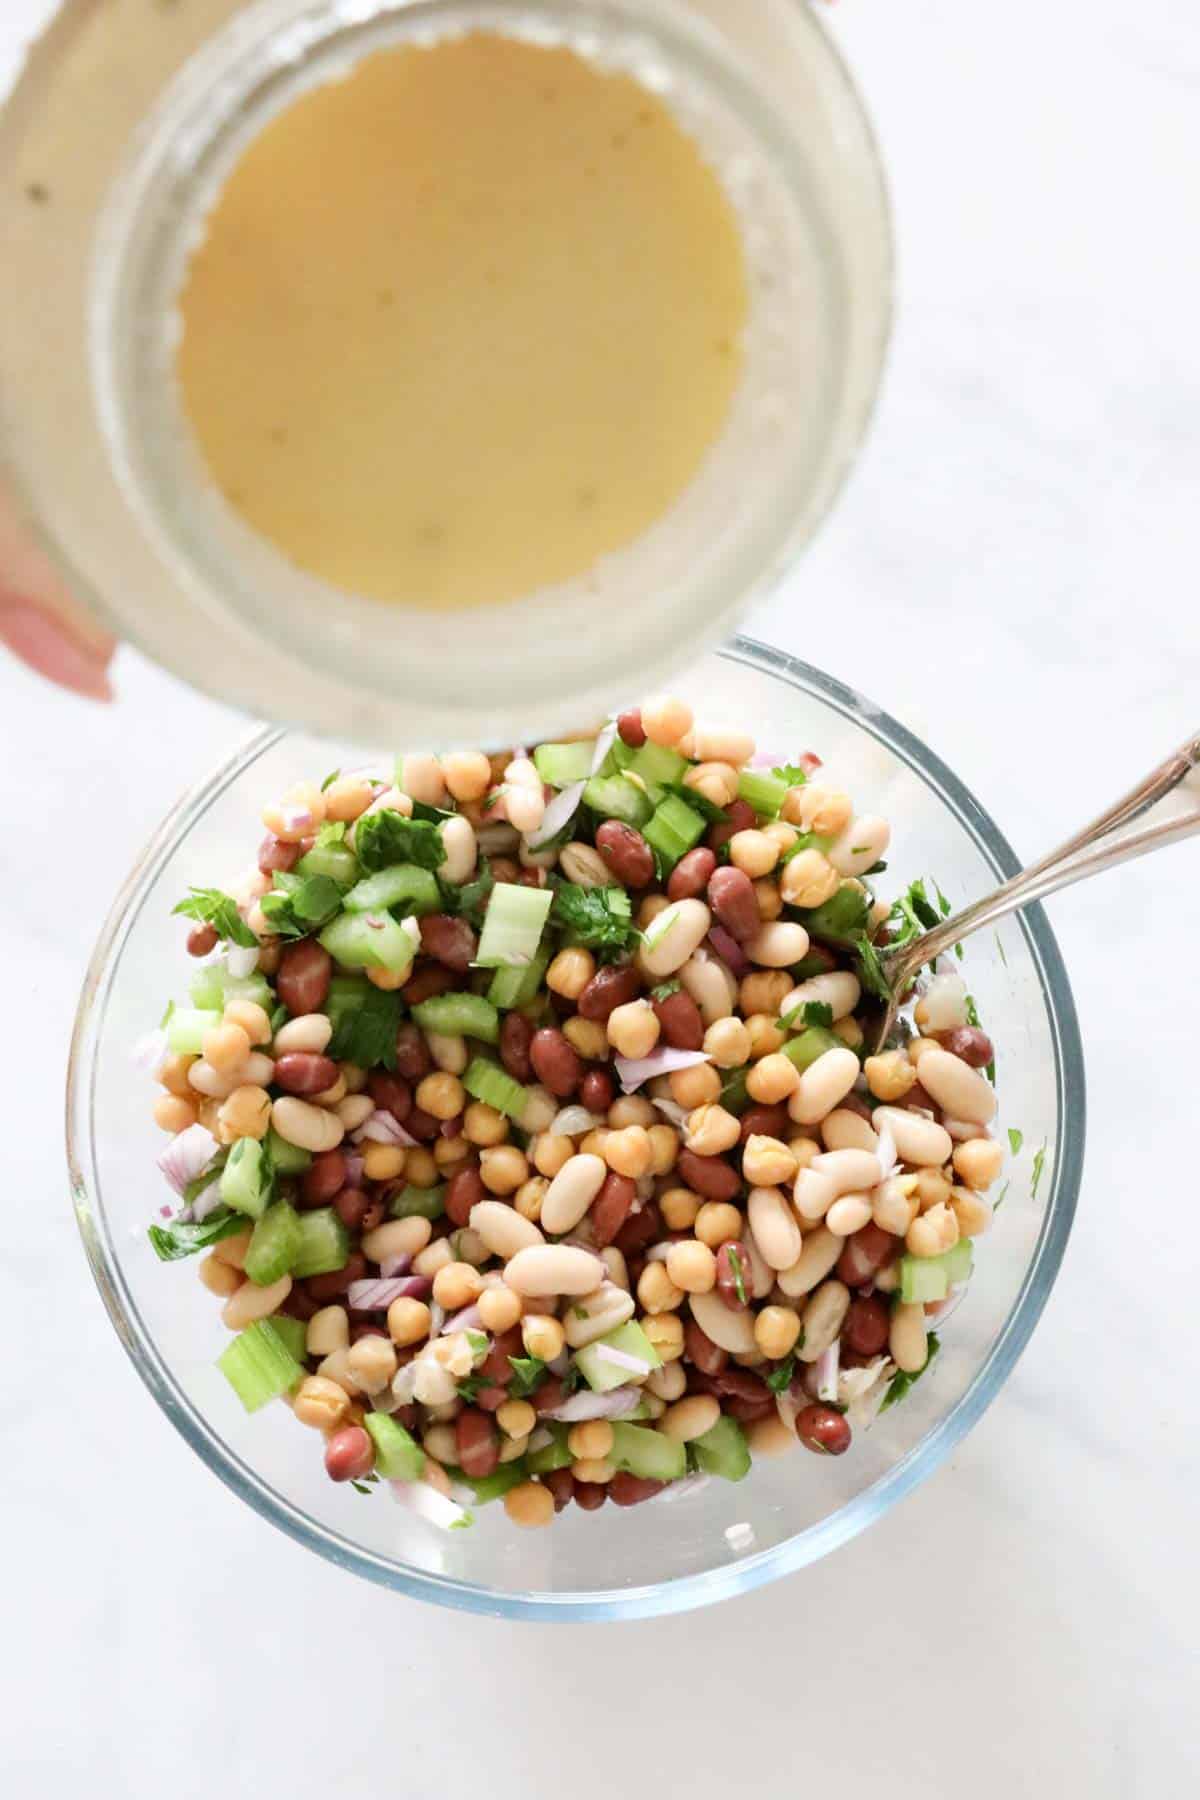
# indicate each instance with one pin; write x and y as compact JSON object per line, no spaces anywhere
{"x":298,"y":1305}
{"x":464,"y":1190}
{"x":413,"y":1061}
{"x":561,"y":1484}
{"x":705,"y":1356}
{"x":631,"y":1490}
{"x":766,"y":1121}
{"x":679,"y":1021}
{"x":422,"y":1125}
{"x":364,"y":1330}
{"x":748,"y":1412}
{"x":449,"y":941}
{"x":532,"y":878}
{"x":855,"y":1103}
{"x":324,"y":1177}
{"x":732,"y":898}
{"x":611,"y":1208}
{"x":639,"y":1229}
{"x":822,"y":1429}
{"x":496,"y":1365}
{"x":610,"y":987}
{"x":865,"y":1252}
{"x":969,"y":1043}
{"x":738,"y":817}
{"x":733,"y":1266}
{"x":491,"y":1399}
{"x":597,"y":1090}
{"x":349,"y":1454}
{"x":919,"y":1099}
{"x":823,"y":956}
{"x":304,"y":1072}
{"x":374,"y":1215}
{"x":302,"y":980}
{"x":201,"y":939}
{"x":555,"y":1062}
{"x":630,"y":728}
{"x":323,"y":1288}
{"x":626,"y":852}
{"x":351,"y":1206}
{"x":516,"y":1035}
{"x":275,"y":856}
{"x":391,"y":1094}
{"x":430,"y":978}
{"x":590,"y":1495}
{"x":691,"y":873}
{"x":478,"y":1442}
{"x":732,"y":1383}
{"x":709,"y":1176}
{"x":451,"y":1128}
{"x":866,"y":1325}
{"x":549,"y":1394}
{"x":407,"y":1416}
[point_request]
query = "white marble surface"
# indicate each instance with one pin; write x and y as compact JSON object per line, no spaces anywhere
{"x":1012,"y":572}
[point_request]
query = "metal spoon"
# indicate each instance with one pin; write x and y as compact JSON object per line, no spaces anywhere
{"x":1168,"y":817}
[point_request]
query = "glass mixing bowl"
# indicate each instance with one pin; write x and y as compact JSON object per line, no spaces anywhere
{"x":668,"y":1555}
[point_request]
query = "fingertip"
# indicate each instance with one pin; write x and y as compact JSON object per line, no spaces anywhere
{"x":44,"y":644}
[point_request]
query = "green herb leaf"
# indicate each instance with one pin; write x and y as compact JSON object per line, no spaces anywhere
{"x":1015,"y":1140}
{"x":808,"y":840}
{"x":1000,"y":948}
{"x":870,"y":967}
{"x":360,"y":1487}
{"x":178,"y":1238}
{"x":999,"y":1201}
{"x":300,"y":905}
{"x":600,"y":917}
{"x":385,"y":838}
{"x":367,"y":1035}
{"x":527,"y":1372}
{"x":470,"y":1389}
{"x":465,"y":1523}
{"x":470,"y":902}
{"x":811,"y":1012}
{"x":780,"y":1379}
{"x":902,"y":1381}
{"x":279,"y":1017}
{"x":1039,"y":1163}
{"x":330,"y":779}
{"x":166,"y":1018}
{"x":331,"y":835}
{"x":665,"y":989}
{"x":212,"y":907}
{"x":972,"y":1011}
{"x":792,"y":773}
{"x":739,"y":1279}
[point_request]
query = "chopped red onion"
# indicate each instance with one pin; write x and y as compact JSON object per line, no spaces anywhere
{"x":373,"y":1295}
{"x":207,"y":1200}
{"x":633,"y":1071}
{"x":787,"y":1406}
{"x":424,"y":1500}
{"x":612,"y":1405}
{"x":558,"y":1365}
{"x":382,"y":1128}
{"x":941,"y":1310}
{"x":729,"y":950}
{"x":466,"y":1320}
{"x":621,"y":1359}
{"x":150,"y":1052}
{"x":374,"y":921}
{"x":558,"y":814}
{"x":394,"y":1265}
{"x":767,"y":759}
{"x":437,"y":1317}
{"x":886,"y":1154}
{"x":604,"y":744}
{"x":574,"y":1121}
{"x":297,"y":818}
{"x":164,"y":1212}
{"x":810,"y":762}
{"x":671,"y":1109}
{"x":187,"y":1155}
{"x":827,"y":1372}
{"x":355,"y":1169}
{"x":241,"y":960}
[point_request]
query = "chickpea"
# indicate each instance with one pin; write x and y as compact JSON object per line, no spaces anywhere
{"x":978,"y":1162}
{"x":530,"y":1505}
{"x":710,"y":1130}
{"x":457,"y":1285}
{"x":372,"y":1362}
{"x":697,"y":1086}
{"x":781,"y":833}
{"x":593,"y":1143}
{"x":718,"y":1222}
{"x":467,"y":774}
{"x":328,"y":1330}
{"x":679,"y":1207}
{"x":631,"y":1109}
{"x":383,"y":1162}
{"x":773,"y":1079}
{"x":766,"y":1162}
{"x":587,"y":1037}
{"x":932,"y":1232}
{"x":503,"y":1169}
{"x":691,"y":1266}
{"x":593,"y":1469}
{"x":320,"y":1403}
{"x":656,"y":1291}
{"x":441,"y":1095}
{"x":448,"y":1153}
{"x":591,"y":1440}
{"x":820,"y":809}
{"x":628,"y":1152}
{"x":889,"y":1076}
{"x":570,"y":973}
{"x":633,"y":1029}
{"x":448,"y":1050}
{"x":529,"y":1196}
{"x":226,"y":1048}
{"x":484,"y":1126}
{"x":218,"y":1277}
{"x":516,"y":1418}
{"x":409,"y":1321}
{"x":499,"y":1309}
{"x":246,"y":1113}
{"x":232,"y":1250}
{"x":764,"y":991}
{"x":250,"y":1018}
{"x":302,"y":808}
{"x":974,"y":1214}
{"x":542,"y":1335}
{"x":665,"y":719}
{"x":753,"y":852}
{"x":435,"y":1256}
{"x":550,"y":1151}
{"x":809,"y":879}
{"x":649,"y":909}
{"x":727,"y":1043}
{"x":769,"y":898}
{"x":932,"y":1189}
{"x":388,"y":980}
{"x":441,"y":1441}
{"x":765,"y":1036}
{"x":173,"y":1075}
{"x":664,"y":1148}
{"x":347,"y":799}
{"x":665,"y":1332}
{"x":776,"y":1329}
{"x":716,"y":781}
{"x":804,"y":1149}
{"x":173,"y":1113}
{"x":918,"y":1046}
{"x":850,"y":1032}
{"x":668,"y":1383}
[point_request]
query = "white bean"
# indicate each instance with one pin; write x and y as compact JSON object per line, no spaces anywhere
{"x":846,"y":1130}
{"x":396,"y":1237}
{"x":813,"y":1194}
{"x":328,"y":1330}
{"x":919,"y":1141}
{"x":777,"y":945}
{"x":861,"y":845}
{"x":257,"y":1070}
{"x":205,"y":1079}
{"x":421,"y":778}
{"x":822,"y":1319}
{"x":851,"y":1171}
{"x":503,"y":1229}
{"x":732,"y":1331}
{"x":354,"y":1110}
{"x":762,"y":1275}
{"x":958,"y":1088}
{"x":571,"y":1192}
{"x":822,"y":1085}
{"x":308,"y":1127}
{"x":849,"y":1214}
{"x":604,"y":1309}
{"x":448,"y":1050}
{"x":775,"y":1230}
{"x":311,"y":1031}
{"x":944,"y":1003}
{"x":552,"y":1269}
{"x":252,"y":1302}
{"x":817,"y":1256}
{"x":614,"y":1262}
{"x":679,"y":929}
{"x":711,"y":985}
{"x":839,"y":990}
{"x":458,"y":841}
{"x":712,"y":743}
{"x":906,"y":1338}
{"x":891,"y":1208}
{"x":584,"y":866}
{"x":539,"y":1110}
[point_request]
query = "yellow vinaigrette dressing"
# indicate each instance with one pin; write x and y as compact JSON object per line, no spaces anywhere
{"x":463,"y":322}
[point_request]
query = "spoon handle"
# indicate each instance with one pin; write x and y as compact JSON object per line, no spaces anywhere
{"x":1101,"y":845}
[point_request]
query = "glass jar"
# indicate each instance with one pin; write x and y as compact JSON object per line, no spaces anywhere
{"x":114,"y":146}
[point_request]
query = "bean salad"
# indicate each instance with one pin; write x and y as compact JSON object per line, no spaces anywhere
{"x":523,"y":1117}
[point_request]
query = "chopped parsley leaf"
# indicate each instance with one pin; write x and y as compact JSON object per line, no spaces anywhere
{"x":739,"y":1279}
{"x":665,"y":989}
{"x":999,"y":1200}
{"x":1039,"y":1163}
{"x":902,"y":1381}
{"x":812,"y":1012}
{"x":331,"y":835}
{"x":166,"y":1018}
{"x":791,"y":773}
{"x":527,"y":1372}
{"x":465,"y":1523}
{"x":1015,"y":1140}
{"x":329,"y":780}
{"x":299,"y":905}
{"x":600,"y":917}
{"x":366,"y":1035}
{"x":385,"y":838}
{"x":212,"y":907}
{"x":471,"y":1388}
{"x":471,"y":902}
{"x":177,"y":1238}
{"x":780,"y":1378}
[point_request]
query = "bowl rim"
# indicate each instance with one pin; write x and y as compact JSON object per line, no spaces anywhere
{"x":686,"y":1592}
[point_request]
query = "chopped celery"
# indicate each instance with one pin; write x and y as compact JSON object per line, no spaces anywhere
{"x":560,"y":765}
{"x":294,"y":1333}
{"x":925,"y":1278}
{"x":654,"y":764}
{"x":723,"y":1450}
{"x":763,"y":791}
{"x":213,"y":986}
{"x":519,"y":987}
{"x":487,"y":1081}
{"x":258,"y":1365}
{"x":206,"y":989}
{"x":347,"y":994}
{"x":459,"y":1015}
{"x":187,"y":1027}
{"x":649,"y":1454}
{"x":286,"y":1159}
{"x":246,"y":1179}
{"x":273,"y":1244}
{"x":551,"y":1456}
{"x":616,"y":798}
{"x":812,"y":1043}
{"x":496,"y":1485}
{"x":324,"y":1244}
{"x":602,"y":1375}
{"x":674,"y":829}
{"x":333,"y":860}
{"x":368,"y":941}
{"x":404,"y":884}
{"x":418,"y":1203}
{"x":513,"y":925}
{"x":398,"y":1456}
